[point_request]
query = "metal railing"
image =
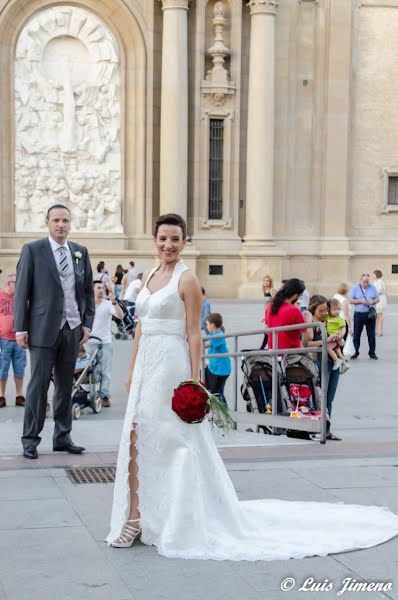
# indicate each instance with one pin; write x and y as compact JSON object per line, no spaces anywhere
{"x":274,"y":420}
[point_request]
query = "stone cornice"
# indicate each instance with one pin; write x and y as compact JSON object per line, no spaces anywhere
{"x":176,"y":4}
{"x":267,"y":7}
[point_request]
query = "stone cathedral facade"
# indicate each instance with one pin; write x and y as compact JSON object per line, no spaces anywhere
{"x":271,"y":126}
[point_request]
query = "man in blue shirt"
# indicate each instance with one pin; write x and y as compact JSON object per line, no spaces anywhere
{"x":364,"y":295}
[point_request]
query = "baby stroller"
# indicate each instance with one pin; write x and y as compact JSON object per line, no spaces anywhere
{"x":301,"y":389}
{"x":257,"y":388}
{"x":86,"y":381}
{"x":122,"y":328}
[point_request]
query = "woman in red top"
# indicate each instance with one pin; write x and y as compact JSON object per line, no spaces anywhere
{"x":281,"y":311}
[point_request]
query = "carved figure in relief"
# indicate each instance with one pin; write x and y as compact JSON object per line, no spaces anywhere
{"x":67,"y":119}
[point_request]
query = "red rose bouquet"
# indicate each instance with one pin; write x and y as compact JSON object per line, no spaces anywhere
{"x":192,"y":402}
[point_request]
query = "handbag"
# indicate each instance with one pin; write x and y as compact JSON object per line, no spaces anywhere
{"x":371,"y":311}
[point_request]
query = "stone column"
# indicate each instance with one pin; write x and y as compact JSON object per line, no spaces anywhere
{"x":260,"y":125}
{"x":174,"y":108}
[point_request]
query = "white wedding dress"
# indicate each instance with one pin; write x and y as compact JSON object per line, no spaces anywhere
{"x":188,"y":505}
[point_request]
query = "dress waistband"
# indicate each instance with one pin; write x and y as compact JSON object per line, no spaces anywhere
{"x":163,"y":327}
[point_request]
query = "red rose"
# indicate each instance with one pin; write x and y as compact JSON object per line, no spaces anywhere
{"x":191,"y":402}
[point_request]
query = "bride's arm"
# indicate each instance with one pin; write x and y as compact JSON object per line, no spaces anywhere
{"x":191,"y":293}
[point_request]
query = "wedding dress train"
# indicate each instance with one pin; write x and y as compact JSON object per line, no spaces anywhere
{"x":188,"y":505}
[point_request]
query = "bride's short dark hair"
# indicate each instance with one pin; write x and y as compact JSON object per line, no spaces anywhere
{"x":171,"y":219}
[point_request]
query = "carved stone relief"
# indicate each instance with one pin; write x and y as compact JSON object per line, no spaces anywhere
{"x":67,"y":121}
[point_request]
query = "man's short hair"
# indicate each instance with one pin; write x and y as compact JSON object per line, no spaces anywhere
{"x":97,"y":281}
{"x":131,"y":263}
{"x":57,"y":206}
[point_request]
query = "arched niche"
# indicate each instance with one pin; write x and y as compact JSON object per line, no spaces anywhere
{"x":125,"y":26}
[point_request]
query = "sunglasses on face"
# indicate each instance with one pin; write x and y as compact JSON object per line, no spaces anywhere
{"x":365,"y":275}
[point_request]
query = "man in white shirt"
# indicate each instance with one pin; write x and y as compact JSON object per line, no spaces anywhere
{"x":104,"y":310}
{"x":133,"y":289}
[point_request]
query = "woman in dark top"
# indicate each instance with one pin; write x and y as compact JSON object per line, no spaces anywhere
{"x":317,"y":311}
{"x":117,"y":280}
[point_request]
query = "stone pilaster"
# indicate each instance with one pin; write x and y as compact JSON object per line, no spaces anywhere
{"x":260,"y":126}
{"x":174,"y":108}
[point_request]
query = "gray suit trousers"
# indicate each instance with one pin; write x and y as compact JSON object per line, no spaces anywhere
{"x":62,"y":358}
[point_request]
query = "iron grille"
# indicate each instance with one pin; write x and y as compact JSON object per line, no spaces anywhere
{"x":393,"y":190}
{"x":91,"y":475}
{"x":216,"y":152}
{"x":394,"y":269}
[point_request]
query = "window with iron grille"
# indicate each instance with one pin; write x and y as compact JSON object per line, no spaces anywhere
{"x":216,"y":151}
{"x":393,"y":190}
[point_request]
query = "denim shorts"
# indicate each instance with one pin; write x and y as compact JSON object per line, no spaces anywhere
{"x":10,"y":351}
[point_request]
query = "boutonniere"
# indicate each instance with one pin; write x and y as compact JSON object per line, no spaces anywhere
{"x":78,"y":256}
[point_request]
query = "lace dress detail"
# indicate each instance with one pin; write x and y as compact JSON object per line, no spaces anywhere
{"x":188,"y":505}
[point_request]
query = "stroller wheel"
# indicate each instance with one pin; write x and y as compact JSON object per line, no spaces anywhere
{"x":117,"y":336}
{"x":48,"y":409}
{"x":96,"y":405}
{"x":124,"y":336}
{"x":76,"y":411}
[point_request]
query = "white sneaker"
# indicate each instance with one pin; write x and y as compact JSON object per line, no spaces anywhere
{"x":337,"y":364}
{"x":344,"y":367}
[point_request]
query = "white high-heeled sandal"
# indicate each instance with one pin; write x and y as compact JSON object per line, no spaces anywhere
{"x":129,"y":534}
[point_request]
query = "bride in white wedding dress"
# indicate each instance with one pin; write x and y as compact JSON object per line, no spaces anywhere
{"x":171,"y":484}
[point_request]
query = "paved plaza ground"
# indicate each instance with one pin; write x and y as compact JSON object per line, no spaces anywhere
{"x":52,"y":531}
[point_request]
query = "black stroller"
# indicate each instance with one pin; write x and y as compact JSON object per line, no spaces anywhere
{"x":86,"y":381}
{"x":257,"y":387}
{"x":122,"y":328}
{"x":301,"y":389}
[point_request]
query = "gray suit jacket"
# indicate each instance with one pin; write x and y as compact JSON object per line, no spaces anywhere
{"x":39,"y":297}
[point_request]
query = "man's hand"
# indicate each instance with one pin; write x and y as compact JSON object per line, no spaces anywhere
{"x":22,"y":340}
{"x":86,"y":333}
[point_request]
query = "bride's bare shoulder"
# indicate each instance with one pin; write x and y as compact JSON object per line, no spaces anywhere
{"x":189,"y":282}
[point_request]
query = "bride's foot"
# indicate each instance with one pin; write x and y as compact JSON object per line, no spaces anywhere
{"x":130,"y":532}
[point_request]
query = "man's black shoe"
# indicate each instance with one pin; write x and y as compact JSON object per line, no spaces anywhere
{"x":373,"y":356}
{"x":355,"y":355}
{"x":30,"y":452}
{"x":71,"y":448}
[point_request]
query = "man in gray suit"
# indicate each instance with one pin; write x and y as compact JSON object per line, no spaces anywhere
{"x":53,"y":313}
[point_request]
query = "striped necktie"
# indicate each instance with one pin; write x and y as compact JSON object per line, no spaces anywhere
{"x":63,"y":261}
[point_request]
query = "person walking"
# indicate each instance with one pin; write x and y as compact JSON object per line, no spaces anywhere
{"x":10,"y":351}
{"x":380,"y":306}
{"x":53,"y":314}
{"x":117,"y":280}
{"x":104,"y":310}
{"x":364,"y":296}
{"x":206,"y":310}
{"x":131,"y":274}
